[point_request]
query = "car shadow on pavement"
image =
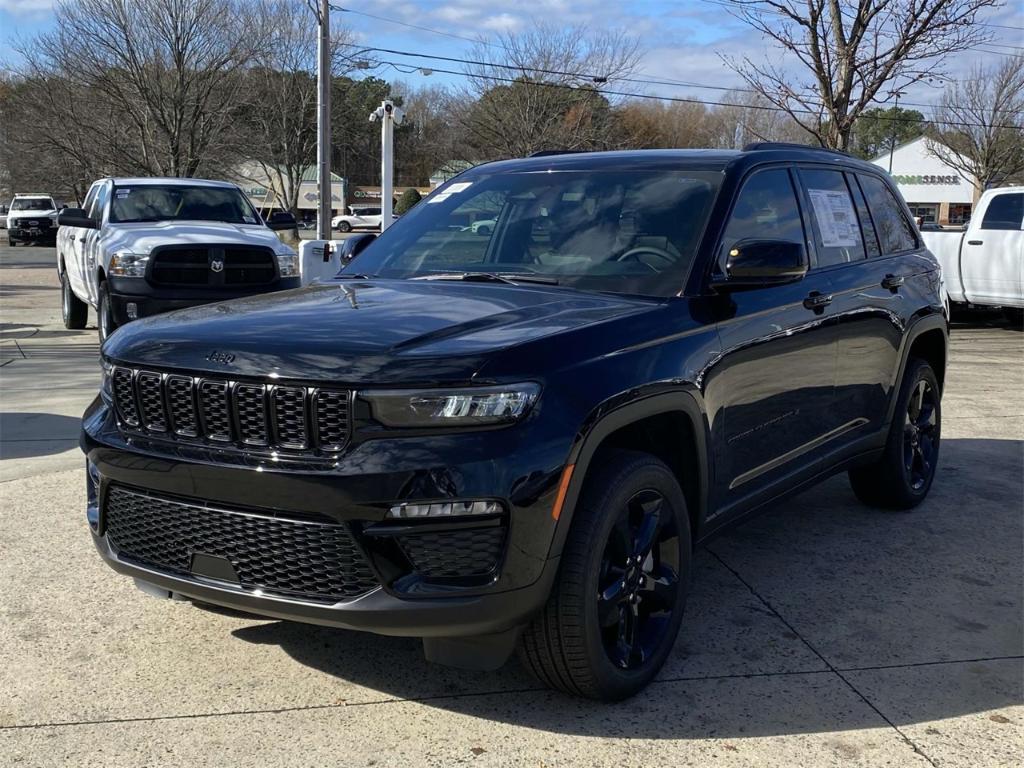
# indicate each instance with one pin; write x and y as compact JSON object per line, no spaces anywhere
{"x":31,"y":435}
{"x":917,"y":612}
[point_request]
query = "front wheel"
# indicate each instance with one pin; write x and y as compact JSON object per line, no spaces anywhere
{"x":344,"y":226}
{"x":615,"y":610}
{"x":74,"y":312}
{"x":105,"y":322}
{"x":901,"y":478}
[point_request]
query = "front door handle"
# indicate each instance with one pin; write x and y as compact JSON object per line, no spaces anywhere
{"x":892,"y":282}
{"x":818,"y":301}
{"x":975,"y":242}
{"x":81,"y":239}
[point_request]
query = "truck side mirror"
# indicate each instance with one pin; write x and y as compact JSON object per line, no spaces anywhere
{"x":282,"y":220}
{"x":355,"y":245}
{"x":76,"y":217}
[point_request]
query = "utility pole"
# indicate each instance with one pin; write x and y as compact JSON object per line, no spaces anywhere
{"x":389,"y":116}
{"x":323,"y":123}
{"x":895,"y":125}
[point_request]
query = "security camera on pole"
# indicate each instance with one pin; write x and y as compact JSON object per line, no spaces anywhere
{"x":389,"y":116}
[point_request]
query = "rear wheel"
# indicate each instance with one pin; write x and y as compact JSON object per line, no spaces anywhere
{"x":902,"y":477}
{"x":614,"y":613}
{"x":74,"y":312}
{"x":344,"y":226}
{"x":105,"y":323}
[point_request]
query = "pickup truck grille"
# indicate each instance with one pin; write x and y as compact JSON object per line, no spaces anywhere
{"x":243,"y":415}
{"x":306,"y":559}
{"x":230,"y":265}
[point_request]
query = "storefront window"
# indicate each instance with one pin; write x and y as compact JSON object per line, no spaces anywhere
{"x":928,"y":213}
{"x":959,"y":213}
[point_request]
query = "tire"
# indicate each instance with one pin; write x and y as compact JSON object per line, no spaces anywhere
{"x":902,"y":477}
{"x":1015,"y":315}
{"x":483,"y":231}
{"x":74,"y":312}
{"x":344,"y":227}
{"x":11,"y":242}
{"x":105,"y":323}
{"x":570,"y":645}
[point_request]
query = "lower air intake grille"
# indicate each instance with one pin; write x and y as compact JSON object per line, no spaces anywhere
{"x":469,"y":552}
{"x":307,"y":560}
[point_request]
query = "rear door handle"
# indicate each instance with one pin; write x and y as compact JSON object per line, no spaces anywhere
{"x":892,"y":282}
{"x":975,"y":242}
{"x":818,"y":300}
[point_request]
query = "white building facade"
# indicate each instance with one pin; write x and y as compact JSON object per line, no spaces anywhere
{"x":936,"y":193}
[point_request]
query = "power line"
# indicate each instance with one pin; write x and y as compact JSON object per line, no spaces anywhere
{"x":595,"y":78}
{"x":672,"y":99}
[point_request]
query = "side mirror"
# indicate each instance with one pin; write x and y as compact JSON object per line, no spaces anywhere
{"x":76,"y":217}
{"x":763,"y":263}
{"x":355,"y":245}
{"x":282,"y":220}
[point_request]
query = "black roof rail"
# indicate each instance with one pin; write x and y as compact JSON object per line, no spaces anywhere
{"x":549,"y":152}
{"x":758,"y":146}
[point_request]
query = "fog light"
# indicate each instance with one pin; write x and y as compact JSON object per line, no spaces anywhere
{"x":445,"y":509}
{"x":133,"y":310}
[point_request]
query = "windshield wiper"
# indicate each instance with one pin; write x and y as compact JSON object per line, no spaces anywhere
{"x":351,"y":276}
{"x":510,"y":278}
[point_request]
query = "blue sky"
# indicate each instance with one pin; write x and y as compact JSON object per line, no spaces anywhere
{"x":682,"y":39}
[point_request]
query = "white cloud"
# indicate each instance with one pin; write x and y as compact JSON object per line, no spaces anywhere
{"x":26,"y":7}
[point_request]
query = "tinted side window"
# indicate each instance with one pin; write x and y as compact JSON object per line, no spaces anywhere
{"x":836,"y":226}
{"x":867,"y":228}
{"x":894,"y":231}
{"x":1004,"y":212}
{"x":766,"y":209}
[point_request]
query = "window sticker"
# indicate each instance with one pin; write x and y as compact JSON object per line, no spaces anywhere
{"x":837,"y":221}
{"x":123,"y":193}
{"x":248,"y":219}
{"x":462,"y":186}
{"x":439,"y":198}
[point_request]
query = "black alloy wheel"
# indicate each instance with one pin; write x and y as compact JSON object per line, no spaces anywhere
{"x":920,"y":441}
{"x":640,"y":581}
{"x":615,"y":609}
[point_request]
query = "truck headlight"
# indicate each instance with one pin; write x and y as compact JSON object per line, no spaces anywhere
{"x":106,"y":380}
{"x":450,"y":407}
{"x":288,"y":264}
{"x":128,"y":264}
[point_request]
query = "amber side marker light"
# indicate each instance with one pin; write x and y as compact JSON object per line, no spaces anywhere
{"x":563,"y":488}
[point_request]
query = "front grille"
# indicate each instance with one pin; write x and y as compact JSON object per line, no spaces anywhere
{"x":466,"y":552}
{"x":308,"y":560}
{"x":236,"y":414}
{"x":234,"y":265}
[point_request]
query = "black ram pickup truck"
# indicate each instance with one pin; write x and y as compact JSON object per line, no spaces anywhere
{"x":514,"y":436}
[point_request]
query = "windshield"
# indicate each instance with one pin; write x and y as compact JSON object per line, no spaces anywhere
{"x":632,"y":232}
{"x":32,"y":204}
{"x":177,"y":202}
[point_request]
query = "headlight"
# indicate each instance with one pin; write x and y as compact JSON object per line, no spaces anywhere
{"x":288,"y":264}
{"x":448,"y":407}
{"x":106,"y":380}
{"x":128,"y":264}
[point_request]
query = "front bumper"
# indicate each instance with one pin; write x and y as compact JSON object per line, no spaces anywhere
{"x":355,"y":490}
{"x":38,"y":233}
{"x":150,"y":301}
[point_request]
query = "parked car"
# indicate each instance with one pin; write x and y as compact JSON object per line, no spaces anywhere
{"x":3,"y":216}
{"x":483,"y":226}
{"x":518,"y":440}
{"x":139,"y":247}
{"x":358,"y":218}
{"x":32,"y":218}
{"x":983,"y":265}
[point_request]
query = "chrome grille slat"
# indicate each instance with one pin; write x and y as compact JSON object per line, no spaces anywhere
{"x":232,"y":414}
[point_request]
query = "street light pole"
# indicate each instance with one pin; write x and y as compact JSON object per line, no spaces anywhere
{"x":895,"y":122}
{"x":323,"y":123}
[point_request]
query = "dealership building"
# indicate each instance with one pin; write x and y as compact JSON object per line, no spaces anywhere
{"x":936,"y":193}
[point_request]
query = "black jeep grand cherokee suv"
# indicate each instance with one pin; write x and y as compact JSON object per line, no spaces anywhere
{"x":519,"y":437}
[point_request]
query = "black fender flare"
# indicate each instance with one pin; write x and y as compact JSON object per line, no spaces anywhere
{"x":922,"y":324}
{"x":586,"y":446}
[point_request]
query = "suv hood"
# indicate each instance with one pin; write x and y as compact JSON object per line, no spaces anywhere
{"x":47,"y":214}
{"x":373,"y":331}
{"x":144,"y":237}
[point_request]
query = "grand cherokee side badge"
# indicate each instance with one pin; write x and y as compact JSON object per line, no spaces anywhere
{"x":221,"y":357}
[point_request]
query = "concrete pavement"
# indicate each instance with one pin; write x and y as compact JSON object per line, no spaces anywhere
{"x":822,"y":633}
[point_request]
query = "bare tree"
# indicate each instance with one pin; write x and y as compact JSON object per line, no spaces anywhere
{"x":541,"y":89}
{"x":280,"y":111}
{"x":155,"y":83}
{"x":979,"y":124}
{"x":842,"y":55}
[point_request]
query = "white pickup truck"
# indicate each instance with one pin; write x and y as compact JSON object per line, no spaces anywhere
{"x":139,"y":247}
{"x":984,"y":265}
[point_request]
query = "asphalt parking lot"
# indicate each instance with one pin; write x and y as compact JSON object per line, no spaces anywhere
{"x":822,"y":633}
